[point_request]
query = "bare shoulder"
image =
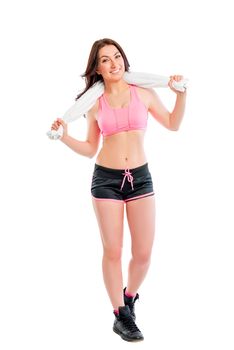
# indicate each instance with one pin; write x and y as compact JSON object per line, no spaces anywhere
{"x":146,"y":94}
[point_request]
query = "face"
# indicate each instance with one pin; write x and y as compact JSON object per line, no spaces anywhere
{"x":110,"y":63}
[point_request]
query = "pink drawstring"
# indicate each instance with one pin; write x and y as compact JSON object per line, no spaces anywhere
{"x":129,"y":176}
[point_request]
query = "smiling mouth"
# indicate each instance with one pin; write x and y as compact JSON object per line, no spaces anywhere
{"x":115,"y":71}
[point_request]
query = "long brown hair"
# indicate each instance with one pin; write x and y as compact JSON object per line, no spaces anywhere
{"x":90,"y":74}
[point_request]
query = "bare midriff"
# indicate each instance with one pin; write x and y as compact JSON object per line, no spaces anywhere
{"x":123,"y":150}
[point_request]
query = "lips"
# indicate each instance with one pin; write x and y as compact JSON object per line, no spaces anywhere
{"x":115,"y":71}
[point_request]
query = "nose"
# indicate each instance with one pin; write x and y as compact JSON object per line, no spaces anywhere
{"x":113,"y":64}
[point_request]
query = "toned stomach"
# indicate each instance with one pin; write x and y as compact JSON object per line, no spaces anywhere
{"x":122,"y":150}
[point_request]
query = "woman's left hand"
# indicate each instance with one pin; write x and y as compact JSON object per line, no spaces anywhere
{"x":176,"y":78}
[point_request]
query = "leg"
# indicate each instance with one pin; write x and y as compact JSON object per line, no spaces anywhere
{"x":141,"y":221}
{"x":110,"y":220}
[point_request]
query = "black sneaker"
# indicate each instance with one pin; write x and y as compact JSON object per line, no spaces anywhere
{"x":130,"y":301}
{"x":125,"y":326}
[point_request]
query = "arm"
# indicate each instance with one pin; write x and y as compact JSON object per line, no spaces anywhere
{"x":86,"y":148}
{"x":179,"y":108}
{"x":169,"y":120}
{"x":178,"y":111}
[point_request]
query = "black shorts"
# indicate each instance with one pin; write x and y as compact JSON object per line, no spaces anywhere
{"x":121,"y":185}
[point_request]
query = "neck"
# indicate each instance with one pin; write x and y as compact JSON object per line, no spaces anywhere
{"x":116,"y":87}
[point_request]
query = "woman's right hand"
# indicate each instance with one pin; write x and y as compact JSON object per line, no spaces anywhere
{"x":56,"y":124}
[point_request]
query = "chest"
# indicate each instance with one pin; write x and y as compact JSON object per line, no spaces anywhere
{"x":118,"y":101}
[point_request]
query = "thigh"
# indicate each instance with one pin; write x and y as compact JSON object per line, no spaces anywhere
{"x":141,"y":221}
{"x":110,"y":215}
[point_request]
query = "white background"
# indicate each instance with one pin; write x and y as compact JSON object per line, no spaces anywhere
{"x":52,"y":294}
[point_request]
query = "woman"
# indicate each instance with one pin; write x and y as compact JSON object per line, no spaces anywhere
{"x":121,"y":175}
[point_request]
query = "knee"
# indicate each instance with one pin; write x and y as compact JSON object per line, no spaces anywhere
{"x":112,"y":253}
{"x":142,"y":258}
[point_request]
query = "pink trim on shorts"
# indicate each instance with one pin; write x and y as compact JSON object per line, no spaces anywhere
{"x":141,"y":196}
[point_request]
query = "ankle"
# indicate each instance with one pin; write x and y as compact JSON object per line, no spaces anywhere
{"x":128,"y":294}
{"x":116,"y":312}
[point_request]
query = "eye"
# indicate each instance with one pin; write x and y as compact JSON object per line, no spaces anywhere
{"x":104,"y":60}
{"x":118,"y":56}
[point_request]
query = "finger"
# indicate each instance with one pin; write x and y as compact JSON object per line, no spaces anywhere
{"x":179,"y":77}
{"x":170,"y":84}
{"x":61,"y":122}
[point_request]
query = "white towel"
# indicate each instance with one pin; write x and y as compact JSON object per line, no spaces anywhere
{"x":89,"y":98}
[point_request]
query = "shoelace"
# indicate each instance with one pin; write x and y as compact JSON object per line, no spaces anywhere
{"x":129,"y":324}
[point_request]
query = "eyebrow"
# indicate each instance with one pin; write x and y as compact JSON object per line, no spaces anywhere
{"x":108,"y":56}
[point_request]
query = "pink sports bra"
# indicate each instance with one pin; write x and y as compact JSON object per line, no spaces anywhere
{"x":113,"y":120}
